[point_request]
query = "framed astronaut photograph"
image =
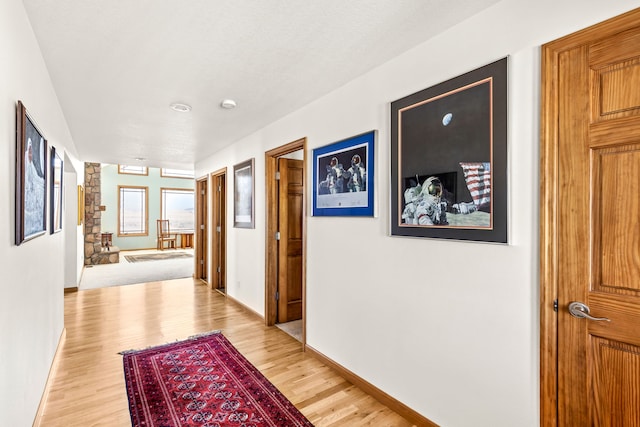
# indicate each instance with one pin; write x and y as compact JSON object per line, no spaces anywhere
{"x":31,"y":178}
{"x":343,"y":177}
{"x":243,"y":199}
{"x":449,"y":158}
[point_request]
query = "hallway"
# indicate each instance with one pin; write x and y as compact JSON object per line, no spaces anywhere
{"x":87,"y":382}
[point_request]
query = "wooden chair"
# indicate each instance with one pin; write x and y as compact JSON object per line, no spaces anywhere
{"x":164,"y":235}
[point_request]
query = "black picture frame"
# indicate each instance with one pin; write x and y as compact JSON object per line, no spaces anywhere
{"x":56,"y":191}
{"x":449,"y":159}
{"x":31,"y":178}
{"x":244,"y":197}
{"x":343,"y":177}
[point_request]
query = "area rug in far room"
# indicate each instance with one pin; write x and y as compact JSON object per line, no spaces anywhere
{"x":159,"y":256}
{"x":203,"y":381}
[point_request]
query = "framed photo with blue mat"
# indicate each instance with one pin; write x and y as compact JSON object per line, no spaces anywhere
{"x":449,"y":158}
{"x":343,"y":177}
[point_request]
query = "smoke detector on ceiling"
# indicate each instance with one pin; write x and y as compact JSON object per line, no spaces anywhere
{"x":180,"y":107}
{"x":228,"y":104}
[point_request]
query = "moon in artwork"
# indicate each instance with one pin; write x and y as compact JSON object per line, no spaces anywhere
{"x":447,"y":119}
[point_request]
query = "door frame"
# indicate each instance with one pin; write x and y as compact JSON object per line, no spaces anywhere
{"x":218,"y":214}
{"x":549,"y":199}
{"x":271,"y":249}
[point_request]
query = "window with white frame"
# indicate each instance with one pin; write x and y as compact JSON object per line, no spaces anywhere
{"x":176,"y":173}
{"x":177,"y":205}
{"x":133,"y":211}
{"x":133,"y":170}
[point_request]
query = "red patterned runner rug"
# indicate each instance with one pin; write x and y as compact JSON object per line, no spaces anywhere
{"x":203,"y":381}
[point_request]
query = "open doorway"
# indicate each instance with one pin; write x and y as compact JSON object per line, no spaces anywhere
{"x":285,"y":238}
{"x":120,"y":206}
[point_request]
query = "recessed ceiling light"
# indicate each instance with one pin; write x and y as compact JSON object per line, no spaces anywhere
{"x":228,"y":104}
{"x":140,"y":159}
{"x":180,"y":107}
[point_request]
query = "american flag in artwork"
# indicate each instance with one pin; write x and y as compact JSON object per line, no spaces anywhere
{"x":478,"y":178}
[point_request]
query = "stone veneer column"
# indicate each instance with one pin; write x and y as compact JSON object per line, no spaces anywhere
{"x":92,"y":216}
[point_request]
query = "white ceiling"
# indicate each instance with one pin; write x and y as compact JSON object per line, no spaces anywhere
{"x":117,"y":65}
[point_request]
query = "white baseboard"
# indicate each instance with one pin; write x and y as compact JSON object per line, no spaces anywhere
{"x":52,"y":371}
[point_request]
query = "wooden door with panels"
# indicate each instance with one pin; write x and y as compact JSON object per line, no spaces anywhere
{"x":590,"y":227}
{"x":290,"y":200}
{"x":202,"y":207}
{"x":219,"y":221}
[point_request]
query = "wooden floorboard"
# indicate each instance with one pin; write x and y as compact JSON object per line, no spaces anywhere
{"x":87,"y":386}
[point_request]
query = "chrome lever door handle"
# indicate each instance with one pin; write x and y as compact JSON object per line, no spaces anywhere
{"x":581,"y":311}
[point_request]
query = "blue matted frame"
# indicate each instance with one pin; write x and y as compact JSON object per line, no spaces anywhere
{"x":343,"y":174}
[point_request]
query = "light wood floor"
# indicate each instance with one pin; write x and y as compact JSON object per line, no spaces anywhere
{"x":87,"y":386}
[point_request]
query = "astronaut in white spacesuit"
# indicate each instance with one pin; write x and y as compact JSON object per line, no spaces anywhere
{"x":334,"y":181}
{"x":424,"y":204}
{"x":335,"y":175}
{"x":357,"y":175}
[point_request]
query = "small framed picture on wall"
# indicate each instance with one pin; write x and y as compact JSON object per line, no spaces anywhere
{"x":343,"y":177}
{"x":243,"y":199}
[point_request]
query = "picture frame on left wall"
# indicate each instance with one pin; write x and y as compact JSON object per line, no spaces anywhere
{"x":80,"y":204}
{"x":56,"y":191}
{"x":31,"y":178}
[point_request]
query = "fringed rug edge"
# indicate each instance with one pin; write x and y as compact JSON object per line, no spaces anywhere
{"x":151,"y":347}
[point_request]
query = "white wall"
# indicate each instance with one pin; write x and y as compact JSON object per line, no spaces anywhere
{"x":31,"y":287}
{"x":449,"y":328}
